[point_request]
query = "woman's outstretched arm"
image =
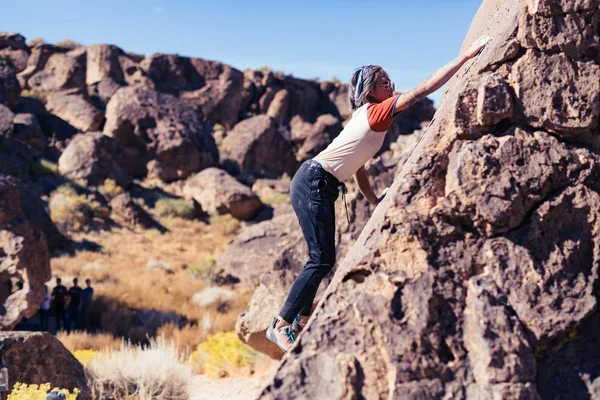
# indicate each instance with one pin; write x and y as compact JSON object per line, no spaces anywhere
{"x":439,"y":78}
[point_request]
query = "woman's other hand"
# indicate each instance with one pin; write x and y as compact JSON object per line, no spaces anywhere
{"x":477,"y":46}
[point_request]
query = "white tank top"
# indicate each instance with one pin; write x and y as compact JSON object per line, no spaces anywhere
{"x":359,"y":140}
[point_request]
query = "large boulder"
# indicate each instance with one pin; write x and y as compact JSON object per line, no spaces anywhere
{"x":24,"y":260}
{"x":304,"y":97}
{"x":62,"y":71}
{"x":477,"y":276}
{"x":28,"y":130}
{"x":93,"y":157}
{"x":18,"y":58}
{"x":213,"y":86}
{"x":103,"y":63}
{"x":15,"y":158}
{"x":129,"y":212}
{"x":7,"y":117}
{"x":76,"y":110}
{"x":10,"y":90}
{"x":218,"y":192}
{"x":311,"y":139}
{"x":161,"y":130}
{"x":37,"y":61}
{"x":13,"y":40}
{"x":38,"y":358}
{"x":246,"y":258}
{"x":256,"y":144}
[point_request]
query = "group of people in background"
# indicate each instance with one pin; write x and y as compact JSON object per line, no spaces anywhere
{"x":72,"y":308}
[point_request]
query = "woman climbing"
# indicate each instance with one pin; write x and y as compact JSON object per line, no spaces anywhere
{"x":315,"y":185}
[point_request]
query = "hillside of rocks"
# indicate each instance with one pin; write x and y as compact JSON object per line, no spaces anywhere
{"x":86,"y":118}
{"x":477,"y":277}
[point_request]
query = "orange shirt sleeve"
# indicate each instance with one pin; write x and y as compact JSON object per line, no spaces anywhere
{"x":381,"y":115}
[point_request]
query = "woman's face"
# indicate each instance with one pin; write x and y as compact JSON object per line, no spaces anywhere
{"x":384,"y":88}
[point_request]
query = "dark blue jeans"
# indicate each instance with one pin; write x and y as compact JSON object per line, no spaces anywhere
{"x":313,"y":193}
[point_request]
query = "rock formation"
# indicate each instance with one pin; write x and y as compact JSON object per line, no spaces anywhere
{"x":477,"y":277}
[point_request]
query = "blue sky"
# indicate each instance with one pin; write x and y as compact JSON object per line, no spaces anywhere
{"x":325,"y":39}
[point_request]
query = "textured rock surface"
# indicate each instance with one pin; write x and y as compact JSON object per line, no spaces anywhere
{"x":77,"y":110}
{"x":10,"y":90}
{"x":37,"y":358}
{"x":93,"y":157}
{"x":257,"y":144}
{"x":218,"y":192}
{"x":24,"y":256}
{"x":477,"y":277}
{"x":213,"y":86}
{"x":158,"y":128}
{"x":129,"y":212}
{"x":29,"y":131}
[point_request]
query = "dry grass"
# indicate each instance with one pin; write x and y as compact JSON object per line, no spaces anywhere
{"x":86,"y":341}
{"x":154,"y":372}
{"x":174,"y":208}
{"x":210,"y":322}
{"x":122,"y":281}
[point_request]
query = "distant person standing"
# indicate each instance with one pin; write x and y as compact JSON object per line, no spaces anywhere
{"x":44,"y":309}
{"x":59,"y":293}
{"x":74,"y":303}
{"x":87,"y":296}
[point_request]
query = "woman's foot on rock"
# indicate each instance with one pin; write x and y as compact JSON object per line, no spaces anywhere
{"x":282,"y":335}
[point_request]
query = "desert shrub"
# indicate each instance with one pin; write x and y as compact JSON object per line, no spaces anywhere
{"x":34,"y":94}
{"x":153,"y":372}
{"x":166,"y":207}
{"x":204,"y":270}
{"x":110,"y":189}
{"x":224,"y":354}
{"x":74,"y":212}
{"x":68,"y":44}
{"x":43,"y":167}
{"x":22,"y":391}
{"x":76,"y":341}
{"x":275,"y":199}
{"x":36,"y":41}
{"x":225,"y":224}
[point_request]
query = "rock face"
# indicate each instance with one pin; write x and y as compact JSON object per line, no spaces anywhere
{"x":477,"y":277}
{"x":313,"y":138}
{"x":154,"y":126}
{"x":29,"y":131}
{"x":37,"y":358}
{"x":218,"y":192}
{"x":24,"y":259}
{"x":62,"y":71}
{"x":213,"y":86}
{"x":129,"y":212}
{"x":256,"y":144}
{"x":76,"y":110}
{"x":246,"y":258}
{"x":10,"y":90}
{"x":93,"y":158}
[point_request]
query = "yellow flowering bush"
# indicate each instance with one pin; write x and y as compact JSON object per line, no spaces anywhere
{"x":223,"y":354}
{"x":23,"y":391}
{"x":72,"y":212}
{"x":85,"y":356}
{"x":110,"y":189}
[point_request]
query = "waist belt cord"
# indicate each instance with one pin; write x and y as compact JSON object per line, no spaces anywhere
{"x":342,"y":188}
